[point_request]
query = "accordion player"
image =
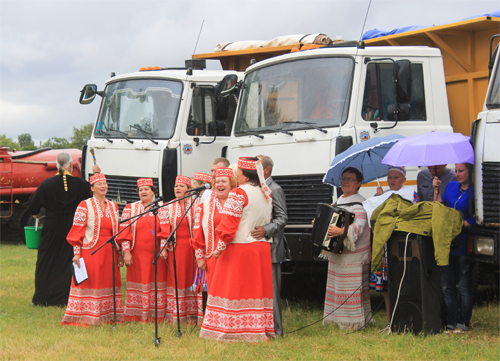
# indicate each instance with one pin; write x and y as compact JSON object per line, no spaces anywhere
{"x":327,"y":215}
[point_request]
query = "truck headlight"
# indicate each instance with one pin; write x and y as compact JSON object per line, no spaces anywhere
{"x":484,"y":246}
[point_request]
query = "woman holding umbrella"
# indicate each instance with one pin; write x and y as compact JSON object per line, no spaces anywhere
{"x":456,"y":278}
{"x":348,"y":272}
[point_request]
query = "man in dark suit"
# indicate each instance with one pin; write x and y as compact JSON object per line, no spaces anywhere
{"x":275,"y":230}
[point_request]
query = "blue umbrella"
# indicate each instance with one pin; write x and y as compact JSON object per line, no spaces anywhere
{"x":365,"y":156}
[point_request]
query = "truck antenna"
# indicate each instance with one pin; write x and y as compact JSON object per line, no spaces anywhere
{"x":194,"y":51}
{"x":366,"y":17}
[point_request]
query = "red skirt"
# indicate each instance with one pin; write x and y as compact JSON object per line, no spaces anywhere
{"x":186,"y":266}
{"x":91,"y":302}
{"x":240,"y":297}
{"x":140,"y":299}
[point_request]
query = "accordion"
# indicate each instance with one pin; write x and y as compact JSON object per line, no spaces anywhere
{"x":328,"y":215}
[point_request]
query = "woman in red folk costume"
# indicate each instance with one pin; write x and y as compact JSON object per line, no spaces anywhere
{"x":96,"y":220}
{"x":184,"y":256}
{"x":240,"y":298}
{"x":207,"y":218}
{"x":140,"y":243}
{"x":199,"y":180}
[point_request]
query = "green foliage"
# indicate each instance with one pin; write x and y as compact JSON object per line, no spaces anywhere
{"x":34,"y":333}
{"x":7,"y":142}
{"x":25,"y":141}
{"x":81,"y":135}
{"x":57,"y":143}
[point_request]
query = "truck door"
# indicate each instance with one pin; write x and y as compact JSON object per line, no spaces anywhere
{"x":207,"y":130}
{"x":378,"y":103}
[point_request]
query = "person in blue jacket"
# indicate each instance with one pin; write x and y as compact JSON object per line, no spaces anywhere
{"x":456,"y":278}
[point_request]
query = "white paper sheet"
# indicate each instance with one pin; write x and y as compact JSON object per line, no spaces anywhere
{"x":80,"y":273}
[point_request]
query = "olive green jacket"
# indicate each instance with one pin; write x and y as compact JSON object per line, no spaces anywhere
{"x":424,"y":218}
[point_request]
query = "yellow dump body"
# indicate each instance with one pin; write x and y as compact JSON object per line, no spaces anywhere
{"x":464,"y":46}
{"x":465,"y":49}
{"x":240,"y":59}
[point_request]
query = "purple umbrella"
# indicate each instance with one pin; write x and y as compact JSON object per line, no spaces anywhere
{"x":428,"y":149}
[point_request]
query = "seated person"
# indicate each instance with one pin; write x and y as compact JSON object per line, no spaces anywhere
{"x":396,"y":177}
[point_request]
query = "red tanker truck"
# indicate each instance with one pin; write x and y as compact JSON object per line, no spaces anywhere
{"x":20,"y":175}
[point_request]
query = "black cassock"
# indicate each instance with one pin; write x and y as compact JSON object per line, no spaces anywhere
{"x":53,"y":266}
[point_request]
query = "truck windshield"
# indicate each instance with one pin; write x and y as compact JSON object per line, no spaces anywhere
{"x":136,"y":108}
{"x":494,"y":95}
{"x":295,"y":95}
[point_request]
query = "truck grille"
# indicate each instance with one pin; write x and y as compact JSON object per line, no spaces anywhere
{"x":127,"y":187}
{"x":303,"y":193}
{"x":491,"y":192}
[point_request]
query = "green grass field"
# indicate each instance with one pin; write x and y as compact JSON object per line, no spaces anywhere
{"x":33,"y":333}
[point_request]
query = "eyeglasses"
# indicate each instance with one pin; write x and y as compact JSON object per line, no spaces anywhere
{"x":348,"y":180}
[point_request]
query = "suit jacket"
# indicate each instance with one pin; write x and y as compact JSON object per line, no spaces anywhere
{"x":276,"y":228}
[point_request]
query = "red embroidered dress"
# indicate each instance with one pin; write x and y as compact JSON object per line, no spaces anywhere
{"x":207,"y":218}
{"x":186,"y":266}
{"x":139,"y":239}
{"x":240,"y":297}
{"x":91,"y":302}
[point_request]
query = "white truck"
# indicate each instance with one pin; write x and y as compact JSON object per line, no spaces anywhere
{"x":159,"y":123}
{"x":485,"y":133}
{"x":304,"y":108}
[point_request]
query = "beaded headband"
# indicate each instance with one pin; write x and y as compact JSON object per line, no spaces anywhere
{"x":401,"y":170}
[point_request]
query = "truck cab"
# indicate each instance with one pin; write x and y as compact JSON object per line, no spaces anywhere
{"x":483,"y":240}
{"x":304,"y":108}
{"x":158,"y":123}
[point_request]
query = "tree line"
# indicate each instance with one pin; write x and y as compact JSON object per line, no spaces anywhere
{"x":25,"y":142}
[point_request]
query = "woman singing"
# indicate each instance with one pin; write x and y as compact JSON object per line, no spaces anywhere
{"x":95,"y":221}
{"x":140,"y":243}
{"x":240,"y":299}
{"x":184,"y":256}
{"x":207,"y":218}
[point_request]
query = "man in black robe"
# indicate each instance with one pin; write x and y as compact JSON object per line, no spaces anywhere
{"x":60,"y":196}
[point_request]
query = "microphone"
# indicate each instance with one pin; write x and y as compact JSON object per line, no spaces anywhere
{"x":199,"y":189}
{"x":156,"y":201}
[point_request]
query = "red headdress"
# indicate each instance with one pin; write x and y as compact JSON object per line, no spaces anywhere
{"x":224,"y":172}
{"x":97,"y":178}
{"x":202,"y":177}
{"x":183,"y":179}
{"x":144,"y":182}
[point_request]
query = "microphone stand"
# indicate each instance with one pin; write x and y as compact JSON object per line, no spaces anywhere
{"x":153,"y":210}
{"x":170,"y":240}
{"x":112,"y":242}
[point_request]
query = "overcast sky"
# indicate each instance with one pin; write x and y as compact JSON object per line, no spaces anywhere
{"x":50,"y":49}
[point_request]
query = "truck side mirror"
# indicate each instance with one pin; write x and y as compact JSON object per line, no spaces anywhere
{"x":88,"y":93}
{"x":402,"y":81}
{"x":226,"y":85}
{"x":401,"y":113}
